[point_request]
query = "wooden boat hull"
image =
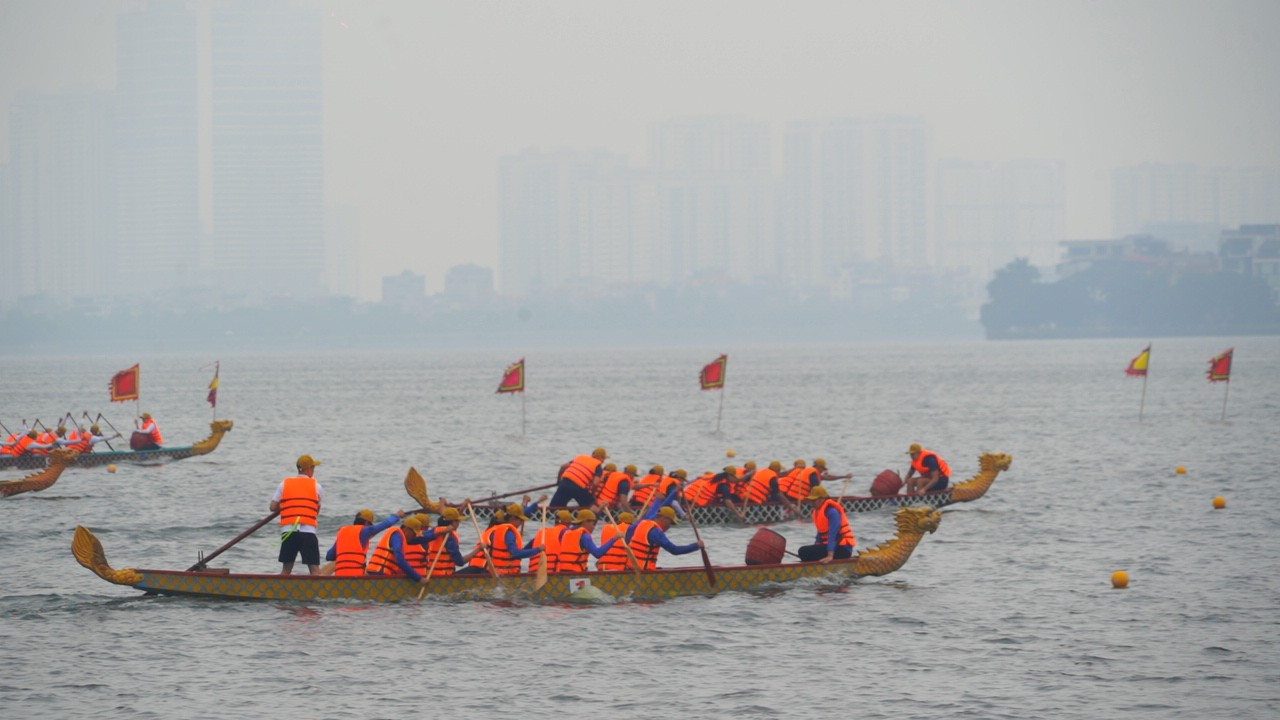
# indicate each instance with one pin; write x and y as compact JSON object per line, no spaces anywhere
{"x":217,"y":429}
{"x":913,"y":524}
{"x":990,"y":464}
{"x":42,"y":479}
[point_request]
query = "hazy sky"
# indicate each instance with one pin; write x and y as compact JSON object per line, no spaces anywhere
{"x":422,"y":98}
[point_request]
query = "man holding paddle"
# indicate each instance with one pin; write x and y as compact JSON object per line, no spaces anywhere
{"x":298,"y":501}
{"x":650,"y":534}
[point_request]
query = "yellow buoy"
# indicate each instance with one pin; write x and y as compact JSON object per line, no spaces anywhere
{"x":1120,"y":579}
{"x":111,"y":468}
{"x":1182,"y":470}
{"x":730,"y":454}
{"x":1219,"y":503}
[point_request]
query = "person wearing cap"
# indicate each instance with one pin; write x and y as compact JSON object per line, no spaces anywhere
{"x":763,"y":485}
{"x":802,"y":478}
{"x":8,"y":447}
{"x":824,"y":474}
{"x":615,"y":486}
{"x":615,"y":558}
{"x":649,"y":535}
{"x":442,"y":545}
{"x":835,"y":540}
{"x":397,"y":555}
{"x":576,"y":543}
{"x":147,"y":426}
{"x":507,"y":548}
{"x":298,"y":500}
{"x":577,"y":478}
{"x":646,"y":486}
{"x":479,"y":560}
{"x":928,"y":471}
{"x":90,"y":438}
{"x":350,"y":551}
{"x":549,"y":538}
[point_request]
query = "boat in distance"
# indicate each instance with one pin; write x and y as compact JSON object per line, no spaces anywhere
{"x":217,"y":429}
{"x":912,"y":525}
{"x":41,"y":479}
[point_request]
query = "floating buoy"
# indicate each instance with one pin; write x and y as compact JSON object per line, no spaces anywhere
{"x":1182,"y":470}
{"x":730,"y":454}
{"x":1219,"y":503}
{"x":1119,"y":579}
{"x":111,"y":468}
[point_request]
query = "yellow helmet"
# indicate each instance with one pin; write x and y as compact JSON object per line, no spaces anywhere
{"x":599,"y":453}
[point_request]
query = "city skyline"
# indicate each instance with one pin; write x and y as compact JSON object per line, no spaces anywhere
{"x":422,"y":100}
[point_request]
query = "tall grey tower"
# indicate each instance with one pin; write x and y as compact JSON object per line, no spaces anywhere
{"x":268,"y":148}
{"x":157,"y":158}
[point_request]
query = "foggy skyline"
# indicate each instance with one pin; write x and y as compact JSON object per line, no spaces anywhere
{"x":422,"y":99}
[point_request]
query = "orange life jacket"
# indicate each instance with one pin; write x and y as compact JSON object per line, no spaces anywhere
{"x":10,"y":449}
{"x":300,"y":501}
{"x":24,"y":442}
{"x":486,"y":538}
{"x":821,"y":523}
{"x":943,"y":468}
{"x":609,"y":490}
{"x":437,"y":552}
{"x":503,"y":560}
{"x":550,"y":539}
{"x":85,"y":444}
{"x":571,"y":556}
{"x":645,"y":488}
{"x":582,"y":470}
{"x":615,"y":558}
{"x":646,"y":553}
{"x":798,"y":484}
{"x":758,"y":486}
{"x":349,"y":552}
{"x":152,"y":429}
{"x":383,"y":561}
{"x":700,"y":491}
{"x":45,"y":438}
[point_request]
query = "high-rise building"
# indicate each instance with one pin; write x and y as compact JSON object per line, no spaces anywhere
{"x":1146,"y":197}
{"x":157,"y":148}
{"x":822,"y":208}
{"x":57,"y":240}
{"x":897,"y":191}
{"x":987,"y":214}
{"x":268,"y":147}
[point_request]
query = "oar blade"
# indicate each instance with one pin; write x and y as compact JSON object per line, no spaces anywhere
{"x":416,"y":486}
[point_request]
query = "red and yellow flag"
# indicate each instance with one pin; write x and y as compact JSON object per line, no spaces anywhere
{"x":124,"y":384}
{"x":513,"y":378}
{"x":1138,"y":366}
{"x":213,"y":385}
{"x":1220,"y":367}
{"x":713,"y":373}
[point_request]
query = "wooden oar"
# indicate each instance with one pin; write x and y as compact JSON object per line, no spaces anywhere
{"x":706,"y":561}
{"x":488,"y":556}
{"x":204,"y":561}
{"x":622,"y":538}
{"x":416,"y":486}
{"x":481,"y":501}
{"x":546,"y":559}
{"x":444,"y":548}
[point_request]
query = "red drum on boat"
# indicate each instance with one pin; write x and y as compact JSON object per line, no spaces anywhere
{"x":886,"y":483}
{"x":766,"y":548}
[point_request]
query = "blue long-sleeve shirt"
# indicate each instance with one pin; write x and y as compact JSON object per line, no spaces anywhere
{"x":450,"y":544}
{"x":597,"y":551}
{"x":833,"y":527}
{"x":366,"y":534}
{"x":517,"y":552}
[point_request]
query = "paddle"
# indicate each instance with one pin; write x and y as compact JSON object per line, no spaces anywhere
{"x":205,"y":560}
{"x":443,"y":549}
{"x":488,"y":556}
{"x":481,"y":501}
{"x":416,"y":486}
{"x":622,"y":538}
{"x":706,"y":561}
{"x":546,"y":559}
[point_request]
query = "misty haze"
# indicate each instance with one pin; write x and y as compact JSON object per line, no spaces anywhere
{"x":260,"y":174}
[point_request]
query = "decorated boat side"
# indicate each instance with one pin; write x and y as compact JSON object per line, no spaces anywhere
{"x":912,"y":525}
{"x":217,"y":429}
{"x":58,"y":460}
{"x":990,"y":465}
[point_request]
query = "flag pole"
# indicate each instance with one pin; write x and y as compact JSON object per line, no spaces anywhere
{"x":522,"y":413}
{"x":1143,"y":404}
{"x":1225,"y":390}
{"x":720,"y":412}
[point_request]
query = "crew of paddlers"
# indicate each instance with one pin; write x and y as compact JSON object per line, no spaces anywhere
{"x":33,"y":441}
{"x":646,"y":507}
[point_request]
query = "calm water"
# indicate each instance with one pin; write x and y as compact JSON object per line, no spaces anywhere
{"x":1006,"y":612}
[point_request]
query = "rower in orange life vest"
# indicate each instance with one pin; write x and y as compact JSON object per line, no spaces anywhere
{"x":87,"y":440}
{"x":616,"y":557}
{"x":443,"y":552}
{"x":824,"y":475}
{"x":507,"y":547}
{"x":298,"y":501}
{"x":576,"y":543}
{"x":650,"y":534}
{"x":577,"y":477}
{"x":763,"y":485}
{"x":835,"y":540}
{"x":397,"y":555}
{"x":550,"y":539}
{"x":615,"y":486}
{"x":11,"y":442}
{"x":151,"y":429}
{"x":350,"y":549}
{"x":29,"y":444}
{"x":477,"y":562}
{"x":928,"y":471}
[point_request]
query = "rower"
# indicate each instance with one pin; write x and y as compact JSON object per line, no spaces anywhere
{"x":397,"y":555}
{"x":576,"y":543}
{"x":350,"y":549}
{"x":577,"y":477}
{"x":835,"y":540}
{"x":150,"y":434}
{"x":650,"y":534}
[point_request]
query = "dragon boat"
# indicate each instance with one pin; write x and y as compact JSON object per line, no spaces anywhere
{"x":42,"y":479}
{"x":990,"y":465}
{"x":912,"y":525}
{"x":217,"y":429}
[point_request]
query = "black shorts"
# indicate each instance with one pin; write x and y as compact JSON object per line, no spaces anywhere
{"x":300,"y":543}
